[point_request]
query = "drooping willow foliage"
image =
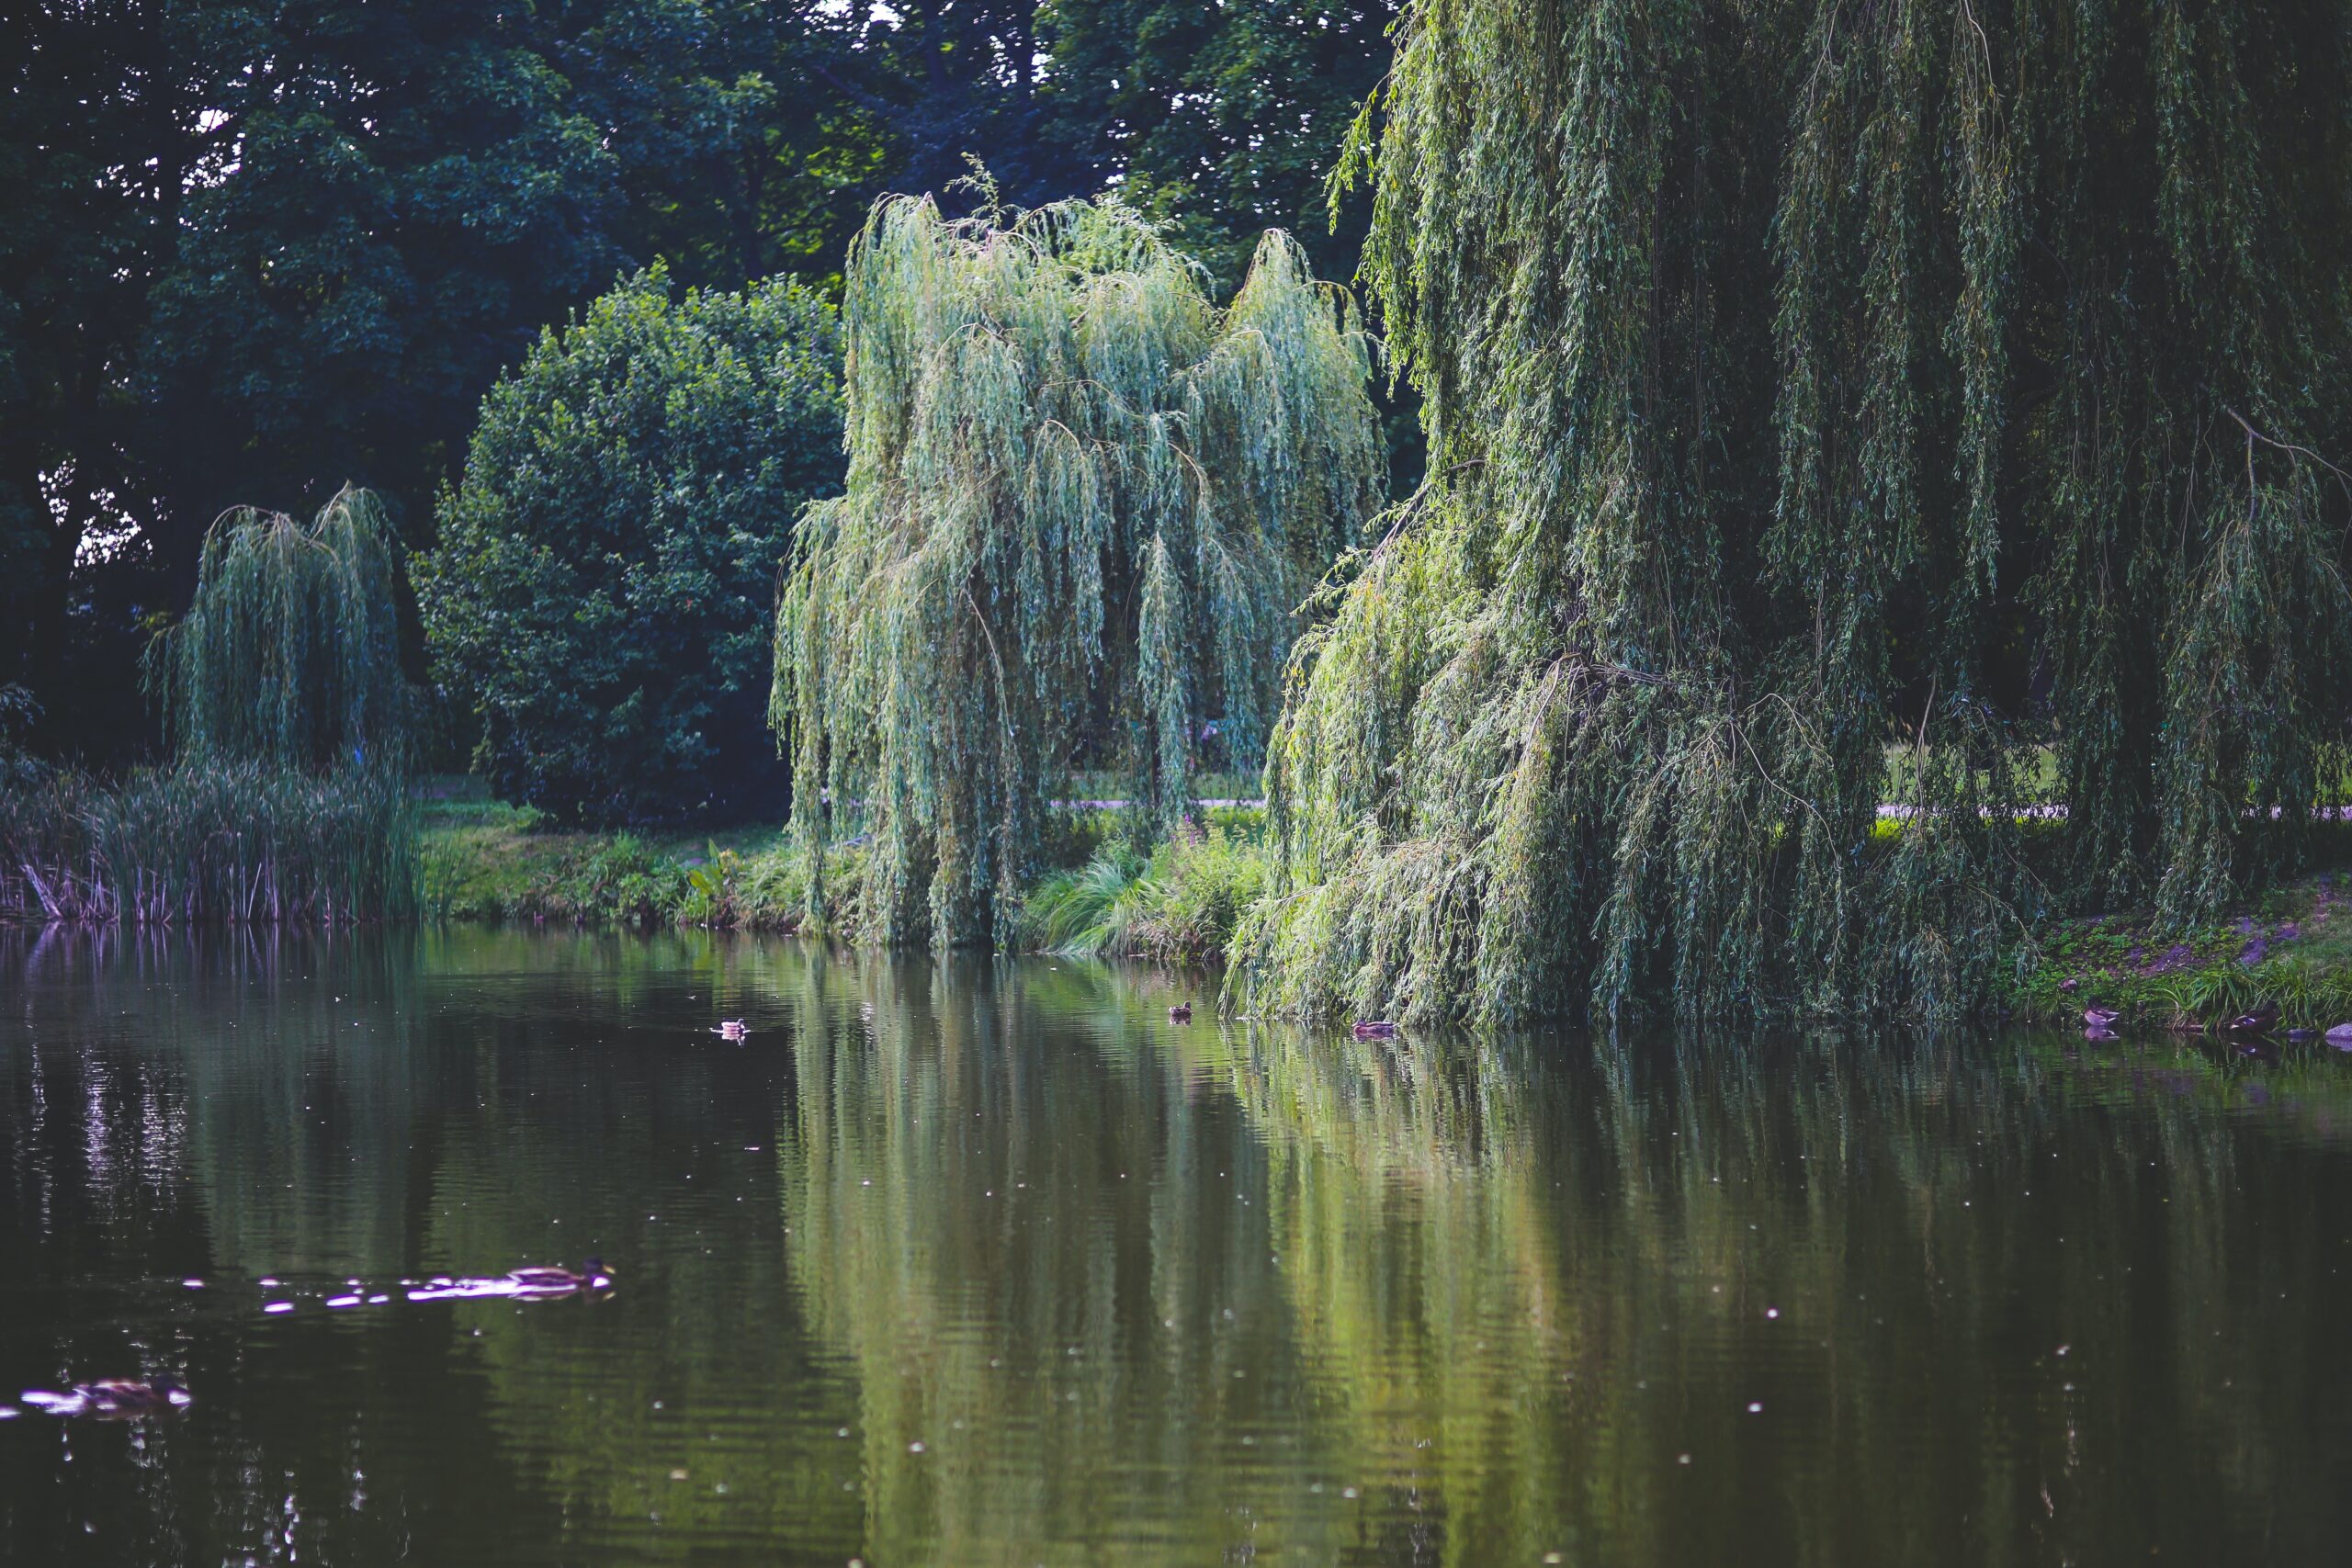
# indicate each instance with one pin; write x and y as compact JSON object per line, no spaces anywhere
{"x":1082,"y":503}
{"x":289,"y":654}
{"x":1834,"y":406}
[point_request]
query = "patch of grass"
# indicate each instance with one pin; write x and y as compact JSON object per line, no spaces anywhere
{"x":488,"y":860}
{"x":2290,"y":948}
{"x":1178,"y":904}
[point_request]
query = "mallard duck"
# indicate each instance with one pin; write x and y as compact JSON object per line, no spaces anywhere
{"x":1373,"y":1029}
{"x":543,"y":1280}
{"x":1180,"y":1013}
{"x":732,"y":1029}
{"x":2102,"y":1018}
{"x":2258,"y":1022}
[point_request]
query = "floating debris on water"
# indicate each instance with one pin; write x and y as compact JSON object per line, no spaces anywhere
{"x":534,"y":1284}
{"x":107,"y":1397}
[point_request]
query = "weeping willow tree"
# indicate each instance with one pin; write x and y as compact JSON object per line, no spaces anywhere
{"x":1842,"y":416}
{"x":1083,"y":503}
{"x":289,"y":656}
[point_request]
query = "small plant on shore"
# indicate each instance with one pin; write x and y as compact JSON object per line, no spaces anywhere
{"x":1181,"y":902}
{"x":1091,"y":911}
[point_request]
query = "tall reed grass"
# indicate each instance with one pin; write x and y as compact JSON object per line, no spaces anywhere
{"x":208,"y":842}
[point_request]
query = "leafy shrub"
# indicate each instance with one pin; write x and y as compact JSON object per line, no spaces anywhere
{"x":599,"y":598}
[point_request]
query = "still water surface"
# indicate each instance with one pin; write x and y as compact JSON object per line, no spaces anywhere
{"x":992,"y":1264}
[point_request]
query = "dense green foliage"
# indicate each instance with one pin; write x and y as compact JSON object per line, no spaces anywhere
{"x":294,"y":725}
{"x":1224,"y":118}
{"x":253,"y":250}
{"x":1081,"y":502}
{"x":288,"y":658}
{"x":599,"y":597}
{"x":1804,"y":379}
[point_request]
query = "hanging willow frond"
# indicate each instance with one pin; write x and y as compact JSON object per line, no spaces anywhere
{"x":290,"y":653}
{"x":1081,"y":502}
{"x":1832,"y":406}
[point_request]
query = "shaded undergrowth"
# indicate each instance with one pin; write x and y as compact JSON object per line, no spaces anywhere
{"x":2290,"y":948}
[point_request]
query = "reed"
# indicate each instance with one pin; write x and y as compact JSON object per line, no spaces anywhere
{"x":238,"y":842}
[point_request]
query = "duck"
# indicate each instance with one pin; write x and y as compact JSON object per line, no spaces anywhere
{"x":732,"y":1029}
{"x":544,"y":1280}
{"x":2102,"y":1018}
{"x":1375,"y":1029}
{"x":1180,"y":1013}
{"x":2258,"y":1022}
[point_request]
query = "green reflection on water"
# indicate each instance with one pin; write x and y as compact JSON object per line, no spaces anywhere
{"x":1140,"y":1291}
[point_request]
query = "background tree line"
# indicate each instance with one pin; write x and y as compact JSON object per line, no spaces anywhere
{"x":256,"y":250}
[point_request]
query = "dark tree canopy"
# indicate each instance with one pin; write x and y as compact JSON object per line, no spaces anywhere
{"x":598,"y":602}
{"x":1223,"y":120}
{"x":252,"y":249}
{"x":1829,"y":404}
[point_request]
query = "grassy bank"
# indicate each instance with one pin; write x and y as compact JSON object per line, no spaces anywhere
{"x":241,"y":844}
{"x":2290,"y":948}
{"x":487,"y":860}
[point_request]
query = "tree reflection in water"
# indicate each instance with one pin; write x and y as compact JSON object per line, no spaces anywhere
{"x":988,"y":1262}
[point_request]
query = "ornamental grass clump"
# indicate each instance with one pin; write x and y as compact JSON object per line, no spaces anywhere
{"x":1804,"y":380}
{"x":1082,"y":501}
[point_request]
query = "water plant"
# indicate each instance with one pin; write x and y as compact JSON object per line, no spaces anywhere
{"x":210,"y":842}
{"x":1082,"y":501}
{"x":293,"y":720}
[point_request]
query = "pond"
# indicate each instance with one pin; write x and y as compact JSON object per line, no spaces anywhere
{"x":991,"y":1263}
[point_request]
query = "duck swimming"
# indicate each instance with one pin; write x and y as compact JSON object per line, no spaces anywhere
{"x":1180,"y":1013}
{"x":732,"y":1029}
{"x":2102,"y":1018}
